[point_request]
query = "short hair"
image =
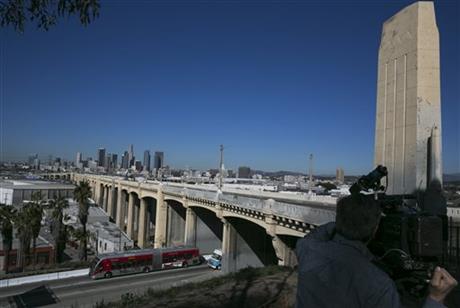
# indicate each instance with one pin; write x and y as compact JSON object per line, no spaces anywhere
{"x":357,"y":217}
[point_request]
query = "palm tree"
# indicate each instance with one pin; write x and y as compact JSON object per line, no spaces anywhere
{"x":82,"y":193}
{"x":7,"y":214}
{"x":59,"y":231}
{"x":36,"y":213}
{"x":22,"y":222}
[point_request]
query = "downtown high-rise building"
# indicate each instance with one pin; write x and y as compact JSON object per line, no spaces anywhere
{"x":158,"y":160}
{"x":146,"y":160}
{"x":108,"y":162}
{"x":32,"y":158}
{"x":114,"y":161}
{"x":131,"y":157}
{"x":339,"y":176}
{"x":78,"y":159}
{"x":125,"y":160}
{"x":101,"y":157}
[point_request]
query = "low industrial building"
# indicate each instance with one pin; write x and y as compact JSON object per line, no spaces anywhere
{"x":14,"y":192}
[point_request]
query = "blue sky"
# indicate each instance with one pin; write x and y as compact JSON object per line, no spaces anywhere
{"x":271,"y":80}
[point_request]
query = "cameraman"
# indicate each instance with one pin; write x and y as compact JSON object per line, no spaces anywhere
{"x":336,"y":269}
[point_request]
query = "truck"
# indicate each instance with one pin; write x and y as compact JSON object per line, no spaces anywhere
{"x":216,"y":259}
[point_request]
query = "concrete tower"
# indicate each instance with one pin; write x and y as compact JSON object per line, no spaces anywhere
{"x":408,"y":121}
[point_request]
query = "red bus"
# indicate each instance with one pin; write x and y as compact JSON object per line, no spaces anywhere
{"x":144,"y":260}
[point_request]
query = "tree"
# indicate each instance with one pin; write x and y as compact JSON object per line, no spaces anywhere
{"x":82,"y":193}
{"x":59,"y":230}
{"x":45,"y":12}
{"x":327,"y":185}
{"x":22,"y":223}
{"x":36,"y":214}
{"x":7,"y":214}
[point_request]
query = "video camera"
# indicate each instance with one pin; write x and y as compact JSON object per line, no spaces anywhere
{"x":409,"y":242}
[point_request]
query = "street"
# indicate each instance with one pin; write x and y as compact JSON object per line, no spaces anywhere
{"x":85,"y":292}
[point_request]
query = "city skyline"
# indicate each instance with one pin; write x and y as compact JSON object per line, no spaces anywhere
{"x":267,"y":98}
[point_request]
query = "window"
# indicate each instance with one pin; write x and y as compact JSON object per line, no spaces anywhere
{"x":105,"y":246}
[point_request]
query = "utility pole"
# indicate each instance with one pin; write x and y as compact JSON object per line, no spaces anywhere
{"x":221,"y":168}
{"x":311,"y":173}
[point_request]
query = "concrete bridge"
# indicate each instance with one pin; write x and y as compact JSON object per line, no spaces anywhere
{"x":258,"y":226}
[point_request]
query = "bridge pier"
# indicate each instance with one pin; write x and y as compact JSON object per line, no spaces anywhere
{"x":286,"y":256}
{"x":190,"y":227}
{"x":110,"y":192}
{"x":130,"y":228}
{"x":229,"y":247}
{"x":120,"y":219}
{"x":160,"y":221}
{"x":142,"y":223}
{"x":106,"y":198}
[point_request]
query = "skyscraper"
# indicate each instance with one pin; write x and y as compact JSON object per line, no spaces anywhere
{"x":131,"y":157}
{"x":32,"y":158}
{"x":114,"y":161}
{"x":101,"y":157}
{"x":408,"y":119}
{"x":78,"y":160}
{"x":125,"y":160}
{"x":108,"y":162}
{"x":158,"y":160}
{"x":147,"y":160}
{"x":340,"y":176}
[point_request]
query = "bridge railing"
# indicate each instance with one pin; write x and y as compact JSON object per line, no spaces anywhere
{"x":306,"y":208}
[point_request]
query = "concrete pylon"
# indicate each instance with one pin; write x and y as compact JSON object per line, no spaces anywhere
{"x":106,"y":197}
{"x":110,"y":192}
{"x":285,"y":255}
{"x":408,"y":97}
{"x":130,"y":227}
{"x":229,"y":247}
{"x":98,"y":194}
{"x":160,"y":220}
{"x":120,"y":213}
{"x":142,"y":223}
{"x":190,"y":227}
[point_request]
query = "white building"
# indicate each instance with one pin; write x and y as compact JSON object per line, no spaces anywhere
{"x":105,"y":236}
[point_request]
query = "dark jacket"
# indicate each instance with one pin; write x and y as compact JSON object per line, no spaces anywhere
{"x":337,"y":272}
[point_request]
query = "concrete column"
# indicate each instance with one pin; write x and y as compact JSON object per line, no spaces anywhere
{"x":160,"y":221}
{"x":130,"y":228}
{"x":101,"y":196}
{"x":120,"y":203}
{"x":285,"y":255}
{"x":93,"y":191}
{"x":98,"y":194}
{"x":106,"y":197}
{"x":229,"y":247}
{"x":190,"y":227}
{"x":110,"y":192}
{"x":142,"y":224}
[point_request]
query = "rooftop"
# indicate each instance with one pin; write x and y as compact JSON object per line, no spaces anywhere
{"x":33,"y":184}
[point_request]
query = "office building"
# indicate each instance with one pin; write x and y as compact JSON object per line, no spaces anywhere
{"x":158,"y":160}
{"x":244,"y":172}
{"x":131,"y":157}
{"x":147,"y":160}
{"x":101,"y":157}
{"x":340,"y":176}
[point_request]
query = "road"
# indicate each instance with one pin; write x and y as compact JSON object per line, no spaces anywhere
{"x":85,"y":292}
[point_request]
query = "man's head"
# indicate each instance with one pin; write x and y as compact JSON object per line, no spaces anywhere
{"x":357,"y":217}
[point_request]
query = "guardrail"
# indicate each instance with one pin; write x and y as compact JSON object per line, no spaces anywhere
{"x":4,"y":283}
